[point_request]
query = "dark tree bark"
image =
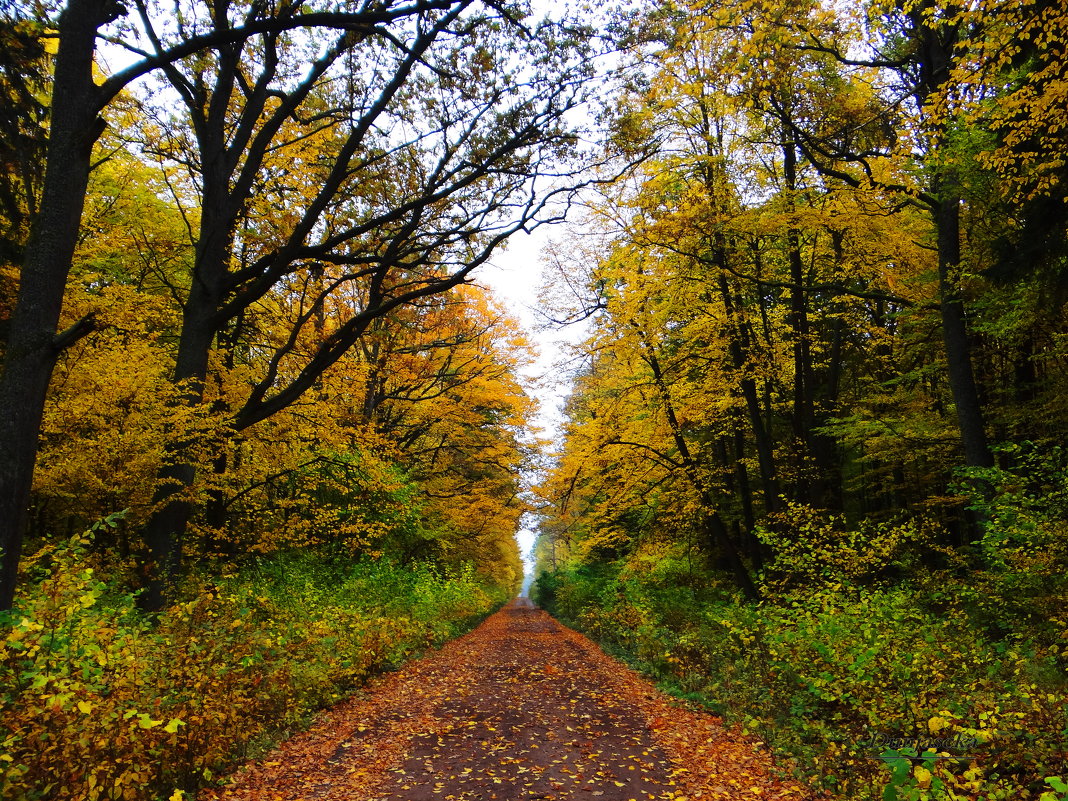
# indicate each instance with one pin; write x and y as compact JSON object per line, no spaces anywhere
{"x":756,"y":548}
{"x":935,"y":52}
{"x":33,"y":344}
{"x":738,"y":347}
{"x":955,"y":334}
{"x":801,"y":418}
{"x":813,"y":384}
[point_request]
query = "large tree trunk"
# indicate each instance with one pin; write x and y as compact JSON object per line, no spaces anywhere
{"x":33,"y":345}
{"x":165,"y":530}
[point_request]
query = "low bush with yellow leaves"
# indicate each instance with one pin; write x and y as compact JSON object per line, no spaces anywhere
{"x":99,"y":702}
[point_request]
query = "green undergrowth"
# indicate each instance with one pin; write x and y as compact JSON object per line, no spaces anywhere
{"x":841,"y":680}
{"x":99,"y":702}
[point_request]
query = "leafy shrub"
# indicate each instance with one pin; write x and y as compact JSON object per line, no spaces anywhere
{"x":1023,"y":551}
{"x":98,"y":702}
{"x":827,"y":673}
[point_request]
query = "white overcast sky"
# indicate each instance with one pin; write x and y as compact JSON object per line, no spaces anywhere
{"x":514,"y":275}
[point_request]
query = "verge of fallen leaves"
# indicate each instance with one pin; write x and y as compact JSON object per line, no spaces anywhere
{"x":710,"y":761}
{"x":349,"y":749}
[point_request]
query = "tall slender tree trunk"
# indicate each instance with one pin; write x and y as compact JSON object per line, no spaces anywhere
{"x":33,"y":345}
{"x":827,"y":488}
{"x":824,"y":487}
{"x":798,"y":306}
{"x":937,"y":41}
{"x":739,"y":350}
{"x":803,"y":378}
{"x":713,"y":527}
{"x":955,"y":333}
{"x":756,"y":548}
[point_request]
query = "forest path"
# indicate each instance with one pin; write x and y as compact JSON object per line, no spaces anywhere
{"x":520,"y":708}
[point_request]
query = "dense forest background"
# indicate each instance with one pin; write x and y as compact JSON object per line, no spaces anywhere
{"x":262,"y":435}
{"x":814,"y":474}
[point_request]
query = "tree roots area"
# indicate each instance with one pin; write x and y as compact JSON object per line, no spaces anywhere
{"x":520,"y":708}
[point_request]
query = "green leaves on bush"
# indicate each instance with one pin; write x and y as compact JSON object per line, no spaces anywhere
{"x":821,"y":668}
{"x":98,"y":702}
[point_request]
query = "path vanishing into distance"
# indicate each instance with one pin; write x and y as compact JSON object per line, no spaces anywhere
{"x":520,"y":708}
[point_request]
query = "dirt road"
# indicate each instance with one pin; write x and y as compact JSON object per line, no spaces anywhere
{"x":520,"y":708}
